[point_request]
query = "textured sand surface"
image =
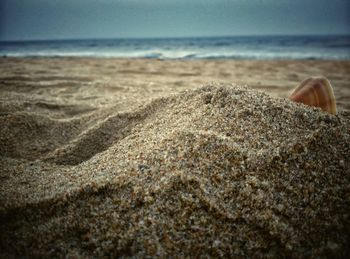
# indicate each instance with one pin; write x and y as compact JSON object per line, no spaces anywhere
{"x":146,"y":158}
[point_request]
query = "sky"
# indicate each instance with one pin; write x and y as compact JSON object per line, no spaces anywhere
{"x":76,"y":19}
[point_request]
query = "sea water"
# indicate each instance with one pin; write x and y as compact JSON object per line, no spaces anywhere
{"x":238,"y":47}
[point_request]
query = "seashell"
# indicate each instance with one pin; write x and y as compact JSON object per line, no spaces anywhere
{"x":315,"y":91}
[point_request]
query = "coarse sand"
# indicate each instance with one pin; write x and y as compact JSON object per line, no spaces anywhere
{"x":222,"y":170}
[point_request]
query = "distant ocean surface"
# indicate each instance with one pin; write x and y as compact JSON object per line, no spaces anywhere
{"x":247,"y":47}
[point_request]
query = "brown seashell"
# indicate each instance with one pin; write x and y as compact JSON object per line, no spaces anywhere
{"x":315,"y":91}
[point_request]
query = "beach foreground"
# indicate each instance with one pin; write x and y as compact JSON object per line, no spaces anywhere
{"x":146,"y":157}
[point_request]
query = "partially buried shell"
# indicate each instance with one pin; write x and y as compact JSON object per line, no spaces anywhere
{"x":315,"y":91}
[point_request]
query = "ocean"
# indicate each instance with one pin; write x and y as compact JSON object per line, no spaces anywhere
{"x":238,"y":47}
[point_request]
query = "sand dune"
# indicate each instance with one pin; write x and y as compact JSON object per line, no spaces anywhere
{"x":216,"y":170}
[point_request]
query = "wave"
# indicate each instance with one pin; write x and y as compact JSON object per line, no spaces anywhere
{"x":235,"y":55}
{"x":337,"y":48}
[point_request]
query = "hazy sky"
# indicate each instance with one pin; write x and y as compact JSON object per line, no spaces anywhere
{"x":59,"y":19}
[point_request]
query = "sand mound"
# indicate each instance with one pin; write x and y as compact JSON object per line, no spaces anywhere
{"x":219,"y":171}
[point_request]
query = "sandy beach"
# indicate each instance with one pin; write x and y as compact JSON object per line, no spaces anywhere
{"x":145,"y":157}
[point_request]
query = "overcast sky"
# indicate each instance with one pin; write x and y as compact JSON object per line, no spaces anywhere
{"x":61,"y":19}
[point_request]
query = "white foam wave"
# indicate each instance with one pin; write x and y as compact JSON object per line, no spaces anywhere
{"x":187,"y":54}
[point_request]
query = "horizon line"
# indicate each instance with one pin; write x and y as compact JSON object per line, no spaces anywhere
{"x":176,"y":37}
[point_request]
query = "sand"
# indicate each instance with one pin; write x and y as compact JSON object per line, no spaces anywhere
{"x":120,"y":157}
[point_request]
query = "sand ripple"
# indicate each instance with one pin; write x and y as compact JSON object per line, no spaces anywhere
{"x":221,"y":171}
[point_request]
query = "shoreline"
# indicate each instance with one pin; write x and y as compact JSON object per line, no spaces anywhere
{"x":177,"y":59}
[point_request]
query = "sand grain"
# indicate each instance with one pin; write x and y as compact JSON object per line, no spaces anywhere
{"x":219,"y":170}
